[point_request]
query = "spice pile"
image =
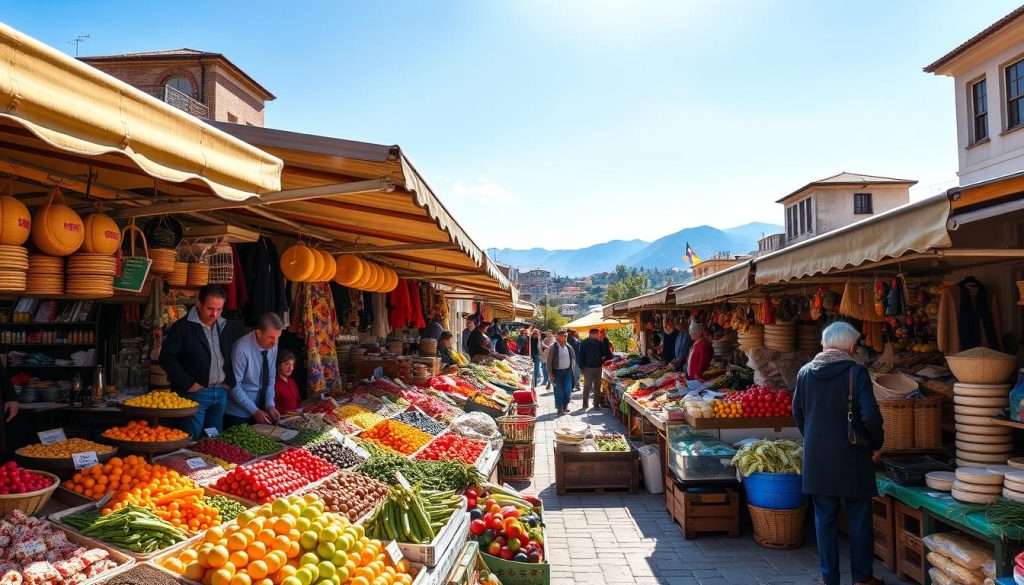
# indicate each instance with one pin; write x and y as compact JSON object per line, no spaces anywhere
{"x":245,"y":437}
{"x":397,"y":436}
{"x":351,"y":494}
{"x":417,"y":419}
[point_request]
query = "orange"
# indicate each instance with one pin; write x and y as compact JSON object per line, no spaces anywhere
{"x":221,"y":577}
{"x":239,"y":558}
{"x":241,"y":579}
{"x":217,"y":556}
{"x":257,"y":569}
{"x":256,"y":550}
{"x":281,"y":543}
{"x":237,"y":542}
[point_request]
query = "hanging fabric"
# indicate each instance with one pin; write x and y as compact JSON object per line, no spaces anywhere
{"x":400,"y":306}
{"x":415,"y":306}
{"x":315,"y":309}
{"x":968,"y":317}
{"x":381,"y":329}
{"x":238,"y":291}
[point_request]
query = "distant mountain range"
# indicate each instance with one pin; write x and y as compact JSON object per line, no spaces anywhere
{"x":663,"y":253}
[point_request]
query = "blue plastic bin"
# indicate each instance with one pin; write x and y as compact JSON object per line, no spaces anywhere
{"x":775,"y":491}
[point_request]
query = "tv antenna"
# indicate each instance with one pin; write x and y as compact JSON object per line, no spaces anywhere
{"x":78,"y":41}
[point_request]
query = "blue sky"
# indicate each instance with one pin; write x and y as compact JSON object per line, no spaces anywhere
{"x":568,"y":123}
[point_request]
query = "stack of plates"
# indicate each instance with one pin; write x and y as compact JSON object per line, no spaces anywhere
{"x":428,"y":347}
{"x":1016,"y":463}
{"x":980,"y":443}
{"x":396,"y":347}
{"x":977,"y":486}
{"x":45,"y":275}
{"x":13,"y":264}
{"x":781,"y":336}
{"x":752,"y":338}
{"x":91,"y":275}
{"x":940,"y":480}
{"x":808,"y":338}
{"x":1013,"y":485}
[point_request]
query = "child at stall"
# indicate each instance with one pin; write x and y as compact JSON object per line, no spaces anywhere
{"x":286,"y":391}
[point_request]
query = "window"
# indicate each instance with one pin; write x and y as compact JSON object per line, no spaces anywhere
{"x":791,"y":220}
{"x":862,"y":203}
{"x":232,"y":118}
{"x":800,"y":212}
{"x":807,"y":212}
{"x":979,"y":111}
{"x":181,"y":84}
{"x":1015,"y":94}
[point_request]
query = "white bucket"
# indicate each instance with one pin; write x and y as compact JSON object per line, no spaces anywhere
{"x":650,"y":464}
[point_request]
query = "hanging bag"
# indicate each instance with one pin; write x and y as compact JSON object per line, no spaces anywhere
{"x":132,"y":269}
{"x":855,"y":431}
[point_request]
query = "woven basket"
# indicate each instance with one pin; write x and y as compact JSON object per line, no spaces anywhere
{"x":927,"y":423}
{"x":516,"y":462}
{"x":30,"y":502}
{"x":428,"y":346}
{"x":198,"y":274}
{"x":516,"y":428}
{"x":179,"y":276}
{"x":163,"y":260}
{"x":898,"y":422}
{"x":778,"y":528}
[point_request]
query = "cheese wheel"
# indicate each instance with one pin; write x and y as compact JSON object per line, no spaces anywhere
{"x":974,"y":488}
{"x":297,"y":263}
{"x":378,"y":278}
{"x":988,"y":429}
{"x":1016,"y":474}
{"x":366,"y":277}
{"x":970,"y":464}
{"x":1016,"y":463}
{"x":984,"y":439}
{"x":318,"y":266}
{"x":972,"y":498}
{"x":939,"y":480}
{"x":329,"y":266}
{"x":349,"y":269}
{"x":979,"y":476}
{"x":972,"y":420}
{"x":983,"y":458}
{"x":1014,"y":485}
{"x":999,"y":401}
{"x":989,"y":411}
{"x":984,"y":448}
{"x":981,"y":390}
{"x":1013,"y":495}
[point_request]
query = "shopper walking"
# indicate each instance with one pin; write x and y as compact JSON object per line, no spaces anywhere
{"x":561,"y":362}
{"x":523,"y":341}
{"x":254,"y":360}
{"x":545,"y":345}
{"x":535,"y":354}
{"x":196,"y":356}
{"x":834,"y":407}
{"x":574,"y":341}
{"x":593,"y":353}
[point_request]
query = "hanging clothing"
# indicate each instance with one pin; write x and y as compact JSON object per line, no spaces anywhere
{"x":263,"y":280}
{"x":968,"y":320}
{"x":315,"y":306}
{"x":400,"y":306}
{"x":381,"y":328}
{"x":415,"y":306}
{"x":238,"y":291}
{"x":366,"y":314}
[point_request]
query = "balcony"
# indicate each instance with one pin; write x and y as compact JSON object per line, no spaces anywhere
{"x":184,"y":102}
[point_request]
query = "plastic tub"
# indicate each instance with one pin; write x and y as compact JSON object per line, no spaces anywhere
{"x":650,"y":464}
{"x":775,"y":491}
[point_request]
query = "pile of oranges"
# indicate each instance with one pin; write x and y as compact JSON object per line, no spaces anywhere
{"x":170,"y":495}
{"x":725,"y":409}
{"x":398,"y":436}
{"x":139,"y":431}
{"x":291,"y":541}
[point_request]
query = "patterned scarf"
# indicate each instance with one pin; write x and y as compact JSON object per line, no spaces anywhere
{"x":830,"y":356}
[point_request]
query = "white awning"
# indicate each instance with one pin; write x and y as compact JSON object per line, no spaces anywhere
{"x":731,"y":281}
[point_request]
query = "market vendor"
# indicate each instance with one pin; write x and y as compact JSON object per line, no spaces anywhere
{"x":479,"y":344}
{"x":195,"y":355}
{"x":444,"y":350}
{"x":668,"y":341}
{"x":254,"y":362}
{"x":699,"y":359}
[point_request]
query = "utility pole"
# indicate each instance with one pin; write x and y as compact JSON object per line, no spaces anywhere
{"x":78,"y":41}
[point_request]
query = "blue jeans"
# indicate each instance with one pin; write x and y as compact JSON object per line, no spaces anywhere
{"x":212,"y":402}
{"x":862,"y":537}
{"x":563,"y":388}
{"x":536,"y":370}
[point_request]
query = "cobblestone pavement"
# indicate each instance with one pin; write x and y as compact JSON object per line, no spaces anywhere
{"x":630,"y":538}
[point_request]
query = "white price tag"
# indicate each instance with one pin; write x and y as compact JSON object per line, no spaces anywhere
{"x":196,"y":463}
{"x":402,"y":481}
{"x":51,"y":436}
{"x":378,"y":373}
{"x":32,"y":548}
{"x":289,"y":434}
{"x":212,"y":432}
{"x":85,"y":459}
{"x":103,"y":501}
{"x":394,"y":552}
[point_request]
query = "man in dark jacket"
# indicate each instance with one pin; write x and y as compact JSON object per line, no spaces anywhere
{"x":479,"y":344}
{"x":592,"y":354}
{"x":668,"y":348}
{"x":835,"y":471}
{"x":196,"y":355}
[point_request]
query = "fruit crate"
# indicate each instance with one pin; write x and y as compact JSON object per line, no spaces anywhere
{"x":430,"y":555}
{"x":516,"y":573}
{"x":597,"y":472}
{"x":909,"y":544}
{"x":699,"y":510}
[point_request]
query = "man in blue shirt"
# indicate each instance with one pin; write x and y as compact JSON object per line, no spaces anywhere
{"x":252,"y":397}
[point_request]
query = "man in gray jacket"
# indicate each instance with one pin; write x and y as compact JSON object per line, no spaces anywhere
{"x":561,"y":361}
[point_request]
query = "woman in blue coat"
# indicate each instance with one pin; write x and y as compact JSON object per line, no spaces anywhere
{"x":835,"y":471}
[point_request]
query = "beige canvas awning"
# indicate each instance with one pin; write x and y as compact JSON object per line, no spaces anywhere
{"x":731,"y":281}
{"x":597,"y":320}
{"x":58,"y":110}
{"x":658,"y":297}
{"x":915,"y":227}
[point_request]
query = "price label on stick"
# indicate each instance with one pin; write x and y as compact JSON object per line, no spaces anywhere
{"x":84,"y":459}
{"x":394,"y":552}
{"x":212,"y":432}
{"x":289,"y":434}
{"x":51,"y":436}
{"x":196,"y":463}
{"x":103,"y":501}
{"x":402,"y":481}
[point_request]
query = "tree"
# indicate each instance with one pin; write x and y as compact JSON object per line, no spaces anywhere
{"x":549,"y":319}
{"x":626,"y":286}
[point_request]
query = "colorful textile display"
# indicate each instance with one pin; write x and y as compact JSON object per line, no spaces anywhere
{"x":314,"y":307}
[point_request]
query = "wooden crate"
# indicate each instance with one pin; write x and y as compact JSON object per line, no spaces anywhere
{"x":697,"y":512}
{"x":883,"y":522}
{"x":910,"y":549}
{"x":365,"y":368}
{"x":670,"y":496}
{"x":596,"y":473}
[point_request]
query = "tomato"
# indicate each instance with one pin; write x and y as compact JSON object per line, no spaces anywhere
{"x":477,"y":527}
{"x":496,"y":524}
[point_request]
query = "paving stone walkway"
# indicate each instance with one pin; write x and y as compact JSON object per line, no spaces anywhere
{"x":630,"y":538}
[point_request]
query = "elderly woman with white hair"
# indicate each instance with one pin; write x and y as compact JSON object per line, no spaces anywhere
{"x":699,"y":359}
{"x":836,"y":412}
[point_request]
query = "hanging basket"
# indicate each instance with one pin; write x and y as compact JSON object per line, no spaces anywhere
{"x":179,"y":275}
{"x":163,"y":232}
{"x":163,"y":260}
{"x":198,"y":274}
{"x":222,"y":265}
